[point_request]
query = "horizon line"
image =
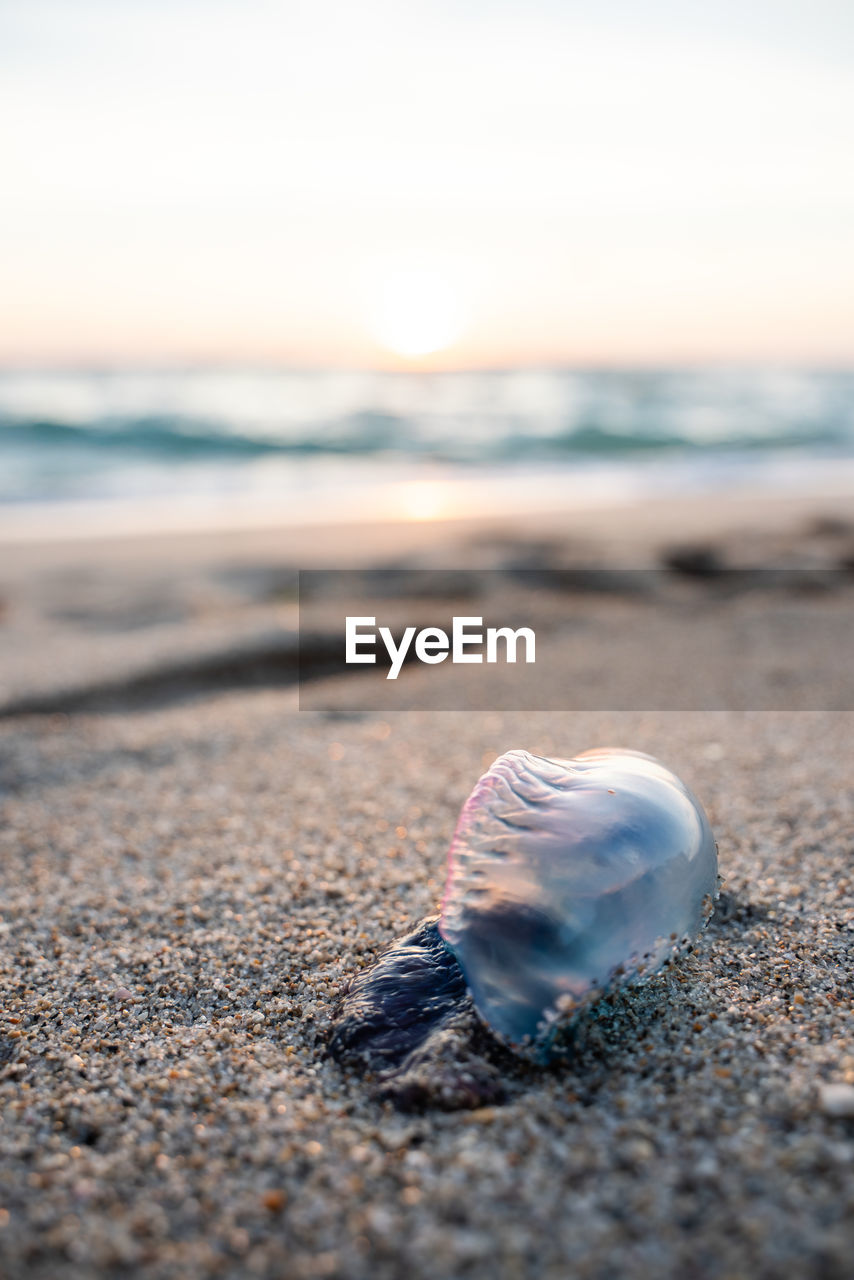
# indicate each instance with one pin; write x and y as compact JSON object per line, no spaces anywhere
{"x":105,"y":367}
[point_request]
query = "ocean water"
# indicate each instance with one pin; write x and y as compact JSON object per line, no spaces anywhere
{"x":203,"y":446}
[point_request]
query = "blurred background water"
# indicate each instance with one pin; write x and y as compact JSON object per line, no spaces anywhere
{"x":206,"y":446}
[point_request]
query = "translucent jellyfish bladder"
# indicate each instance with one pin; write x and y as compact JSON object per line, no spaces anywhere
{"x":566,"y":877}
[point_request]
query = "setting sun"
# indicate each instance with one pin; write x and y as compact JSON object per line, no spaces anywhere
{"x":414,"y":311}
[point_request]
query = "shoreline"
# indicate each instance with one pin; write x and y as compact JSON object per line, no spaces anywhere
{"x":429,"y":495}
{"x":631,"y":522}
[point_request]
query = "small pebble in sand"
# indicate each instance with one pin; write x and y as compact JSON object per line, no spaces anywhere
{"x":837,"y":1099}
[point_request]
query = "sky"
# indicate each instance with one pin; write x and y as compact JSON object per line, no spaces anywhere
{"x":426,"y":184}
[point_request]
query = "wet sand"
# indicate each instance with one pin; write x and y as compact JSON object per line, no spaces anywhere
{"x":190,"y":878}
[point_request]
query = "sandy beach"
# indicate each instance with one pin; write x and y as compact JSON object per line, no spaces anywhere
{"x":193,"y":867}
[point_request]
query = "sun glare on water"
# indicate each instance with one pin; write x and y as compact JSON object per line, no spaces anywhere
{"x":414,"y":311}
